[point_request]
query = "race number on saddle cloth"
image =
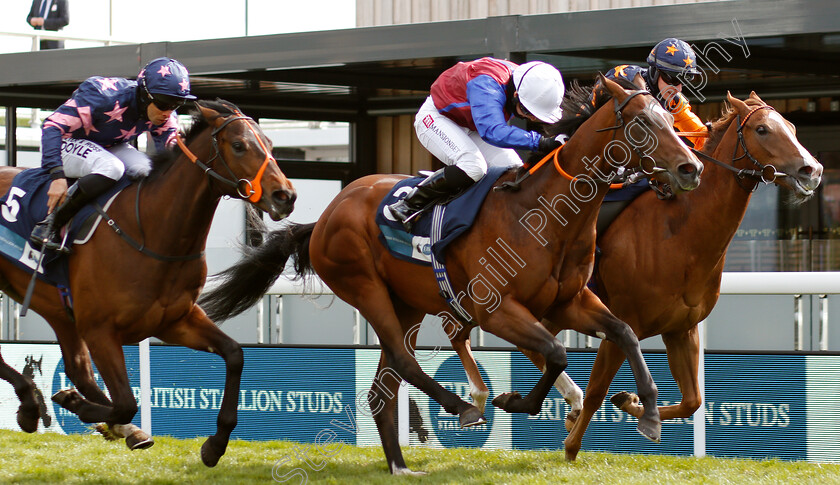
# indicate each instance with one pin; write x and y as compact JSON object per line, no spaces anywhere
{"x":26,"y":204}
{"x":415,"y":247}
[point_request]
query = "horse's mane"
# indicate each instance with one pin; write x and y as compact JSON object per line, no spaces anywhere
{"x":162,"y":160}
{"x":580,"y":103}
{"x":720,"y":125}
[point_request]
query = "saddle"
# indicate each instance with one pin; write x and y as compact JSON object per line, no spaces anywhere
{"x":25,"y":205}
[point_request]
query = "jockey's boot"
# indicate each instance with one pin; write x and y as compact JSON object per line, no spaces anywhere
{"x":48,"y":231}
{"x":437,"y":186}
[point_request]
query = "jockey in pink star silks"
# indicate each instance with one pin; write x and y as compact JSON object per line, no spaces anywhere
{"x":87,"y":138}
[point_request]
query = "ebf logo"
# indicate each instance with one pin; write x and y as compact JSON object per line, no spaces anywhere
{"x":446,"y":426}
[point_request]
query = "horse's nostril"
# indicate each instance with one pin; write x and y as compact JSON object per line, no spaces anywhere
{"x":687,"y":169}
{"x":285,"y":196}
{"x":807,"y":170}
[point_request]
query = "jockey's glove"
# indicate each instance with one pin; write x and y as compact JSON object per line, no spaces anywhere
{"x":547,"y":143}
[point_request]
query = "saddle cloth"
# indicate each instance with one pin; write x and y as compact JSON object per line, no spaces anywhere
{"x":461,"y":212}
{"x":25,"y":205}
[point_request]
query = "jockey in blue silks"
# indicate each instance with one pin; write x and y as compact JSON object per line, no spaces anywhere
{"x":87,"y":138}
{"x":464,"y":123}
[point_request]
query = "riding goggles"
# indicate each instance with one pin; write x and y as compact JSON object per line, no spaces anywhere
{"x":676,"y":79}
{"x":165,"y":102}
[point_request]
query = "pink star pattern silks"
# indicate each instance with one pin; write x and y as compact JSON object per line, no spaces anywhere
{"x":185,"y":85}
{"x":116,"y":114}
{"x":108,"y":83}
{"x":163,"y":71}
{"x":127,"y":135}
{"x":87,"y":120}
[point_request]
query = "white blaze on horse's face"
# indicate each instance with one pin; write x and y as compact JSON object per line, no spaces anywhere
{"x":659,"y":115}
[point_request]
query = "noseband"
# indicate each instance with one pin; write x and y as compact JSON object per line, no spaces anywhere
{"x":250,"y":190}
{"x":765,"y":173}
{"x":648,"y":168}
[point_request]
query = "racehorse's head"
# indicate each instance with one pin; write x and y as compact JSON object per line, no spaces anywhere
{"x":648,"y":131}
{"x":245,"y":152}
{"x":770,"y":142}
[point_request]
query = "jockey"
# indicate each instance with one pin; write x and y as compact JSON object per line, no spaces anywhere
{"x":671,"y":62}
{"x":87,"y":138}
{"x":464,"y":123}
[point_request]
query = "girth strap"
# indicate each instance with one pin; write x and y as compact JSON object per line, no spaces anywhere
{"x":441,"y":275}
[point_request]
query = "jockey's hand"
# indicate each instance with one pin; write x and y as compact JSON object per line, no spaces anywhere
{"x":56,"y":193}
{"x":548,"y":144}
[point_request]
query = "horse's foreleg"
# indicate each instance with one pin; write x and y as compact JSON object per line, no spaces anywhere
{"x":607,"y":362}
{"x":683,"y":356}
{"x":571,"y":392}
{"x":198,"y":332}
{"x":514,"y":323}
{"x":461,"y":345}
{"x":588,"y":315}
{"x":110,"y":360}
{"x":28,"y":412}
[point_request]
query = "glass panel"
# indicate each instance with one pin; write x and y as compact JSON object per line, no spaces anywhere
{"x":310,"y":141}
{"x":778,"y":236}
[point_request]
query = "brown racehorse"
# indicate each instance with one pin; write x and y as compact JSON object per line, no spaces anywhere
{"x":662,"y":261}
{"x":122,"y":295}
{"x":554,"y":250}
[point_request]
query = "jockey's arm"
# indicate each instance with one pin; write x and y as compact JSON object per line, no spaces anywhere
{"x":487,"y":103}
{"x":685,"y":120}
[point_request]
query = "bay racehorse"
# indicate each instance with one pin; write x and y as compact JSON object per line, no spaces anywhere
{"x":550,"y":226}
{"x":145,"y":281}
{"x":662,"y":261}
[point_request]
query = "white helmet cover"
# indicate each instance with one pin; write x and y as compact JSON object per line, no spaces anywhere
{"x":541,"y":90}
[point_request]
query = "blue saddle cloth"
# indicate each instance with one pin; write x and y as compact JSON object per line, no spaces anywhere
{"x":460,"y":214}
{"x":24,"y":206}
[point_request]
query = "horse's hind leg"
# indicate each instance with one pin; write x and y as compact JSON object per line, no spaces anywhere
{"x":28,"y":412}
{"x":198,"y":332}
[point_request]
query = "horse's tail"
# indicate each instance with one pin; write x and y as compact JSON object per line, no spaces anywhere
{"x":244,"y":284}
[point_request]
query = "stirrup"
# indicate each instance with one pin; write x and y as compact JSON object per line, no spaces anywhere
{"x":49,"y":243}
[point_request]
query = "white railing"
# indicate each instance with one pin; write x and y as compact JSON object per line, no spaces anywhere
{"x":38,"y":35}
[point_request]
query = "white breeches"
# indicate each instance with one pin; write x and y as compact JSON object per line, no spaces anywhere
{"x":84,"y":157}
{"x":455,"y":145}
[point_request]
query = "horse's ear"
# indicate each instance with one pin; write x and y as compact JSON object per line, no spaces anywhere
{"x":212,"y":116}
{"x":737,"y":103}
{"x":755,"y":97}
{"x":615,"y":90}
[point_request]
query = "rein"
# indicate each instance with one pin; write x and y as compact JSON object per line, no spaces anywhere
{"x":766,"y":173}
{"x":250,"y":190}
{"x":627,"y":176}
{"x":245,"y":189}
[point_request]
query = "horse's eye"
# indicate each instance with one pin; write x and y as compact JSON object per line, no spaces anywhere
{"x":238,"y":146}
{"x":761,"y":130}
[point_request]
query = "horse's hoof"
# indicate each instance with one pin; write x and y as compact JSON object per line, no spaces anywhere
{"x":67,"y":398}
{"x":106,"y":432}
{"x":650,"y":429}
{"x":571,"y":455}
{"x":571,"y":419}
{"x":210,"y":453}
{"x":623,"y":399}
{"x":27,"y":419}
{"x":139,"y":440}
{"x":406,"y":471}
{"x":505,"y":401}
{"x":471,"y":417}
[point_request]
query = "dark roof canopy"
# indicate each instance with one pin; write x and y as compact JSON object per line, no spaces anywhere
{"x":792,"y":49}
